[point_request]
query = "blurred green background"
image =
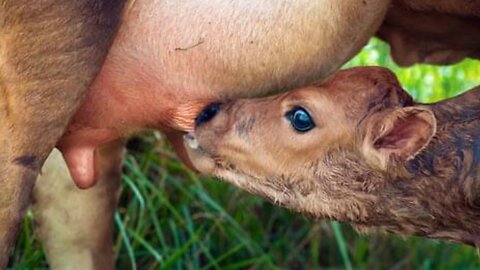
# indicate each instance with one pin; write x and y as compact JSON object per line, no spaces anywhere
{"x":169,"y":218}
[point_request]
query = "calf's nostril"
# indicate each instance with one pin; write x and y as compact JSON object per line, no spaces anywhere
{"x":207,"y":114}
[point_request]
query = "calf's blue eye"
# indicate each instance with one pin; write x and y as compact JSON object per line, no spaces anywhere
{"x":300,"y":119}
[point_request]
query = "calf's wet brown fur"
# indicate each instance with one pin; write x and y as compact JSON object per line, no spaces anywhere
{"x":375,"y":158}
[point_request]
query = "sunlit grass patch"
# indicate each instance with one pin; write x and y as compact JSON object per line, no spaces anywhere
{"x":426,"y":83}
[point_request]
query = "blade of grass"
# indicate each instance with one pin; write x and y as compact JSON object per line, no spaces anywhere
{"x":341,"y":245}
{"x":126,"y":240}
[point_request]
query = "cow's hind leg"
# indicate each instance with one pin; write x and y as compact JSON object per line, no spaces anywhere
{"x":76,"y":226}
{"x":50,"y":51}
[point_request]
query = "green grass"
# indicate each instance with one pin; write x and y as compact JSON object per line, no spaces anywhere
{"x":169,"y":218}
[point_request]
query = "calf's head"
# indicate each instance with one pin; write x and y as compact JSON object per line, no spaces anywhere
{"x":323,"y":150}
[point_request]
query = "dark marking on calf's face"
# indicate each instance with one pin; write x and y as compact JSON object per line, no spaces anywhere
{"x":28,"y":161}
{"x":244,"y":126}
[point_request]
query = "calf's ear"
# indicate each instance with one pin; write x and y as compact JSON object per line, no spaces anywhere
{"x":397,"y":135}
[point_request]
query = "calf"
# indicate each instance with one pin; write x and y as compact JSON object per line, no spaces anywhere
{"x":354,"y":148}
